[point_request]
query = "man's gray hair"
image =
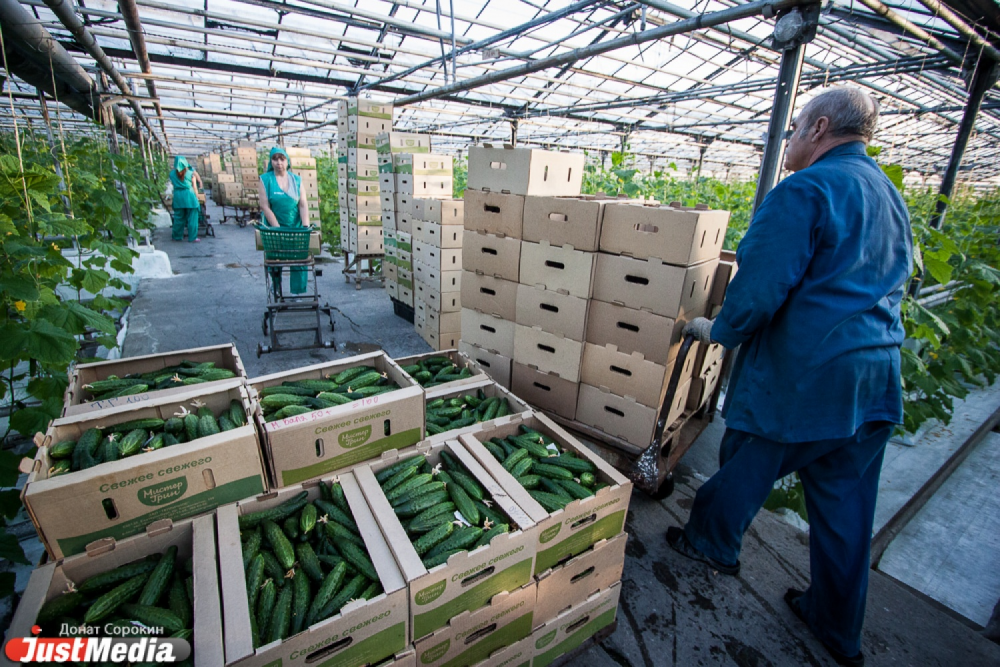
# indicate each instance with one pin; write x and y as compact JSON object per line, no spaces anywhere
{"x":850,"y":110}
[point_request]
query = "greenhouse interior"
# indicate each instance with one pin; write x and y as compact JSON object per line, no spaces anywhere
{"x":665,"y":333}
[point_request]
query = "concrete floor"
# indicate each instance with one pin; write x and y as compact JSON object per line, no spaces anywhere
{"x":673,"y":611}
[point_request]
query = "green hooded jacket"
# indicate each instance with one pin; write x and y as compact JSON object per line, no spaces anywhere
{"x":184,"y":196}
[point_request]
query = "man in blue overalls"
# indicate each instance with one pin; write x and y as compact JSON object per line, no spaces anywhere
{"x":815,"y":387}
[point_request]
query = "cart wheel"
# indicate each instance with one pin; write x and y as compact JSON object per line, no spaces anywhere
{"x":666,"y":488}
{"x":327,"y":344}
{"x":260,"y":350}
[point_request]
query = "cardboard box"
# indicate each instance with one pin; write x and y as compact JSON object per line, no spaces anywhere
{"x":573,"y":582}
{"x":363,"y":172}
{"x":702,"y":386}
{"x":469,"y":579}
{"x":706,"y":356}
{"x":724,"y":275}
{"x":680,"y":236}
{"x":488,"y":332}
{"x":517,"y":654}
{"x":425,"y":186}
{"x":496,"y":366}
{"x":445,"y":259}
{"x":631,"y":375}
{"x":364,"y":138}
{"x":655,"y":337}
{"x":368,"y":125}
{"x":78,"y":399}
{"x":121,"y":498}
{"x":402,"y":142}
{"x":560,"y":314}
{"x":671,"y":291}
{"x":582,"y":523}
{"x":472,"y":636}
{"x":423,"y":164}
{"x":364,"y":632}
{"x":386,"y":188}
{"x":623,"y":417}
{"x":570,"y":629}
{"x":492,"y":255}
{"x":525,"y":171}
{"x":488,"y":294}
{"x":447,"y":212}
{"x":494,"y":213}
{"x":404,"y":241}
{"x":405,"y":658}
{"x":447,"y":302}
{"x":460,"y":360}
{"x":325,"y":441}
{"x":549,"y":353}
{"x":518,"y":408}
{"x":558,"y":268}
{"x":405,"y":295}
{"x":545,"y":391}
{"x":363,"y":188}
{"x":437,"y":340}
{"x":404,"y":203}
{"x":444,"y":322}
{"x":366,"y":240}
{"x":443,"y":236}
{"x":446,"y":282}
{"x":304,"y":163}
{"x":391,"y":288}
{"x":565,"y":221}
{"x":194,"y":539}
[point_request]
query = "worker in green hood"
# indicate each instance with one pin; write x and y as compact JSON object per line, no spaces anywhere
{"x":284,"y":204}
{"x":186,"y":183}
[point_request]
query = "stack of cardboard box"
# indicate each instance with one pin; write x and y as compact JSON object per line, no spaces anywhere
{"x":303,"y":164}
{"x":577,"y":303}
{"x":247,"y":174}
{"x":358,"y":122}
{"x":395,"y":151}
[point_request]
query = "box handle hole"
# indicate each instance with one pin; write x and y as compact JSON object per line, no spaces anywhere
{"x":487,"y":290}
{"x":549,"y":307}
{"x":707,"y":279}
{"x":623,"y":371}
{"x":555,"y":265}
{"x":483,"y":362}
{"x":614,"y":411}
{"x":209,"y":478}
{"x":558,"y":217}
{"x":319,"y":448}
{"x":485,"y":574}
{"x":637,"y":280}
{"x":547,"y":348}
{"x":498,"y":165}
{"x":489,"y":208}
{"x":717,"y":233}
{"x":586,"y":573}
{"x":542,"y":386}
{"x":479,"y":634}
{"x":486,"y":328}
{"x":490,"y":251}
{"x":628,"y":327}
{"x":579,"y":624}
{"x":694,"y":284}
{"x":703,"y":238}
{"x":387,"y":427}
{"x":569,"y":174}
{"x":583,"y":522}
{"x":329,"y":650}
{"x":109,"y":508}
{"x":649,"y":229}
{"x":545,"y":174}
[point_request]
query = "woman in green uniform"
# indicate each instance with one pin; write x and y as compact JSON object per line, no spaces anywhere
{"x":186,"y":182}
{"x":283,"y":204}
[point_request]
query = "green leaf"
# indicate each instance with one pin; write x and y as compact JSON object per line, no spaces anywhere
{"x":7,"y":581}
{"x":94,"y":280}
{"x":19,"y":287}
{"x":10,"y":548}
{"x":10,"y":503}
{"x":46,"y":387}
{"x":940,"y":271}
{"x":895,"y":174}
{"x":8,"y":468}
{"x":77,"y":318}
{"x":47,"y":343}
{"x":29,"y":421}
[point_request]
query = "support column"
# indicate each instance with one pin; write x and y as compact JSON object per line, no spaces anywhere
{"x":781,"y":116}
{"x":513,"y":132}
{"x":52,"y":149}
{"x":984,"y":77}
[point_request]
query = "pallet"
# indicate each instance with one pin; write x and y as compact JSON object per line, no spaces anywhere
{"x":572,"y":658}
{"x":352,"y":267}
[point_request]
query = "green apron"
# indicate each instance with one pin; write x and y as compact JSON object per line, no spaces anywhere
{"x":286,"y":211}
{"x":186,"y":206}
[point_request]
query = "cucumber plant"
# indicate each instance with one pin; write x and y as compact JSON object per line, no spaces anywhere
{"x":156,"y":592}
{"x":296,"y":397}
{"x":303,"y":560}
{"x":443,"y":509}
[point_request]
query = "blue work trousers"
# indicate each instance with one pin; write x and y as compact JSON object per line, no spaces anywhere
{"x":185,"y":219}
{"x":840,"y":478}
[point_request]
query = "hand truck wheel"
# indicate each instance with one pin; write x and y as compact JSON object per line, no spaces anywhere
{"x":261,"y":349}
{"x":665,"y":489}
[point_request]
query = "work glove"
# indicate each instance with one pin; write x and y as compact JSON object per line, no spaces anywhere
{"x":701,"y":328}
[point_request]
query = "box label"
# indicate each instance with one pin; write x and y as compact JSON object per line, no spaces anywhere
{"x":361,"y":452}
{"x":164,"y":492}
{"x":574,"y":640}
{"x":510,"y":633}
{"x":196,"y":504}
{"x":506,"y":580}
{"x":368,"y":651}
{"x":602,"y":529}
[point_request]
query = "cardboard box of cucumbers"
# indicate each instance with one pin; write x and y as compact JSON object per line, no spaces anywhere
{"x":445,"y":368}
{"x":332,"y":416}
{"x":574,"y":496}
{"x":453,"y":410}
{"x":112,"y":473}
{"x":458,"y":538}
{"x":307,"y":578}
{"x":109,"y":384}
{"x":158,"y":585}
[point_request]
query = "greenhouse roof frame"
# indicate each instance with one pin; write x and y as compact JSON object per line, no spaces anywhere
{"x":688,"y":84}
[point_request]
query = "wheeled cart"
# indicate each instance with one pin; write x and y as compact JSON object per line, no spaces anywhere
{"x":286,"y":252}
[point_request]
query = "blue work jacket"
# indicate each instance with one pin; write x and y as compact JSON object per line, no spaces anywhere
{"x":815,"y":303}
